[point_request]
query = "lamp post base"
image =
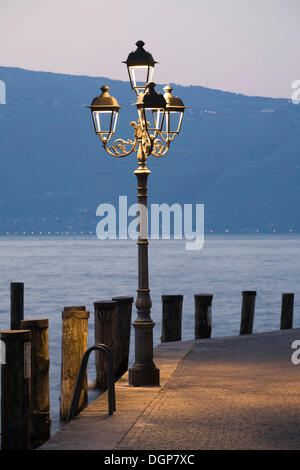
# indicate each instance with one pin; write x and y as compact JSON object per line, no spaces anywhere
{"x":144,"y":376}
{"x":144,"y":373}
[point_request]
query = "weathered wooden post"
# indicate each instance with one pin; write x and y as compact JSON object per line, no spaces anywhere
{"x":247,"y":314}
{"x":203,"y":315}
{"x":287,"y":311}
{"x":74,"y":345}
{"x":122,"y":338}
{"x":15,"y":390}
{"x":105,"y":332}
{"x":16,"y":305}
{"x":171,"y":318}
{"x":40,"y":399}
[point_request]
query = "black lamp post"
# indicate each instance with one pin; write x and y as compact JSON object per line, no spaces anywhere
{"x":159,"y":121}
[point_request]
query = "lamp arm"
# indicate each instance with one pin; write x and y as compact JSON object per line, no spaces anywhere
{"x":119,"y":147}
{"x":170,"y":137}
{"x":160,"y":147}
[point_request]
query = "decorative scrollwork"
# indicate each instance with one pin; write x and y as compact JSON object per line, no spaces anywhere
{"x":147,"y":143}
{"x":120,"y":149}
{"x":160,"y":148}
{"x":157,"y":147}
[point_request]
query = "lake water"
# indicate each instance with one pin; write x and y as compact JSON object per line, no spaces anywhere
{"x":61,"y":271}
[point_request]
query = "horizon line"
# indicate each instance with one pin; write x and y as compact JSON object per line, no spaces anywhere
{"x":127,"y":81}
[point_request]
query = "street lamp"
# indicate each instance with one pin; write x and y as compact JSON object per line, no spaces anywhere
{"x":159,"y":121}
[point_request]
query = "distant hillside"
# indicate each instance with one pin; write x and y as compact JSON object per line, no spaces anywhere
{"x":238,"y":155}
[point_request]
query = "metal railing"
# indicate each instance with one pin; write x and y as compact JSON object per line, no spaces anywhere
{"x":80,"y":378}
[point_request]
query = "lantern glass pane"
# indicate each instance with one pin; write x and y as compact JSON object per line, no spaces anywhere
{"x":173,"y":122}
{"x":154,"y":118}
{"x":96,"y":121}
{"x":140,"y":75}
{"x":105,"y":123}
{"x":115,"y":119}
{"x":141,"y":117}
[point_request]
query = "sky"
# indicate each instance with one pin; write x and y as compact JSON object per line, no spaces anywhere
{"x":243,"y":46}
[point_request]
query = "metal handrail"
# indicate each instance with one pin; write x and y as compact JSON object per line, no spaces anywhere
{"x":80,"y":378}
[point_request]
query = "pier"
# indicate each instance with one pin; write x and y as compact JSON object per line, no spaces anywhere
{"x":224,"y":393}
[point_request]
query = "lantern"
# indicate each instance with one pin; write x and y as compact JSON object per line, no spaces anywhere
{"x":173,"y":115}
{"x":140,"y":65}
{"x":105,"y":110}
{"x":151,"y":109}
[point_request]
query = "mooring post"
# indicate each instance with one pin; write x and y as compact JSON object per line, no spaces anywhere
{"x":74,"y":345}
{"x":203,"y":315}
{"x":287,"y":311}
{"x":40,"y":399}
{"x":171,"y":318}
{"x":122,"y":338}
{"x":15,"y":390}
{"x":247,"y":313}
{"x":16,"y":305}
{"x":105,"y":333}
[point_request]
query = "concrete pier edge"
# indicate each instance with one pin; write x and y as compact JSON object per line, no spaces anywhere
{"x":206,"y":385}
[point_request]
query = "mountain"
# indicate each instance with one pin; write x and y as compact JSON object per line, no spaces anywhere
{"x":238,"y":155}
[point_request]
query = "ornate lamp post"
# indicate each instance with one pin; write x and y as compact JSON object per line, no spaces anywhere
{"x":159,"y":121}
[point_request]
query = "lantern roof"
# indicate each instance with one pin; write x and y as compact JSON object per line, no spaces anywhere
{"x":151,"y":99}
{"x":105,"y":101}
{"x":140,"y":56}
{"x":173,"y":102}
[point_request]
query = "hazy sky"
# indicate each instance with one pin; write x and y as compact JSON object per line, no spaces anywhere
{"x":245,"y":46}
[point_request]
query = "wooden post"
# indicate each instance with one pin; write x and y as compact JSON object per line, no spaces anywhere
{"x":247,"y":314}
{"x":122,"y":338}
{"x":15,"y":390}
{"x":74,"y":345}
{"x":287,"y":311}
{"x":203,"y":315}
{"x":40,"y":399}
{"x":171,"y":318}
{"x":105,"y":332}
{"x":16,"y":305}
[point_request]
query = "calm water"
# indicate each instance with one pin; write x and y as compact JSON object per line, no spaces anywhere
{"x":77,"y":271}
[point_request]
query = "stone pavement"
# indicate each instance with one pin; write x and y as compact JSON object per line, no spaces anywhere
{"x":223,"y":393}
